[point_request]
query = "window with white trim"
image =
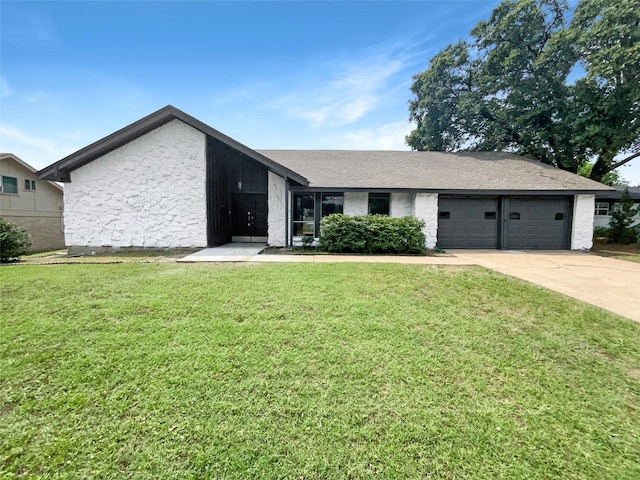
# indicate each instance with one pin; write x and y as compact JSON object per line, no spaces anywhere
{"x":602,"y":208}
{"x":29,"y":185}
{"x":9,"y":185}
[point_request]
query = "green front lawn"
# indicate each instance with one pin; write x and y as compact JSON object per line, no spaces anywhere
{"x":310,"y":371}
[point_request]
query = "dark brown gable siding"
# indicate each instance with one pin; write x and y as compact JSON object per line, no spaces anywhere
{"x":218,"y":221}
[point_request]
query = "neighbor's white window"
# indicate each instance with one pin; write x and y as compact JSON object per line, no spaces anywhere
{"x":602,"y":208}
{"x":29,"y":184}
{"x":9,"y":185}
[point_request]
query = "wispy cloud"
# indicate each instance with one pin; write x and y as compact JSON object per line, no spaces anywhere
{"x":384,"y":137}
{"x":35,"y":150}
{"x":5,"y":89}
{"x":38,"y":29}
{"x":38,"y":96}
{"x":351,"y":91}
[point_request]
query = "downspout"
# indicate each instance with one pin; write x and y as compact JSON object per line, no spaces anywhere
{"x":287,"y":241}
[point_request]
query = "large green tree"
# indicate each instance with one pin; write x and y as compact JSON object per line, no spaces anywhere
{"x":556,"y":85}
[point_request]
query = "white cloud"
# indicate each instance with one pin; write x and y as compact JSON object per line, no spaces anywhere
{"x":37,"y":29}
{"x":37,"y":151}
{"x":5,"y":89}
{"x":352,"y":91}
{"x":384,"y":137}
{"x":38,"y":96}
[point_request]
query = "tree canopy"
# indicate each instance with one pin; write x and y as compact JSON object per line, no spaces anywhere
{"x":559,"y":86}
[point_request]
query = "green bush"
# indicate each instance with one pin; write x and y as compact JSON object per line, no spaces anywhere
{"x":601,"y":231}
{"x":14,"y":241}
{"x":371,"y":234}
{"x":620,"y":229}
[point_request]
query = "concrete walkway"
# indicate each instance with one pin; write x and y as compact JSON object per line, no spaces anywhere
{"x":231,"y":252}
{"x":604,"y":282}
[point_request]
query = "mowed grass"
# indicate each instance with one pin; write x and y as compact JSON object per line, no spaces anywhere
{"x":310,"y":372}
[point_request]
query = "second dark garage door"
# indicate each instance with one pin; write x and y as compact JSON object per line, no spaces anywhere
{"x":536,"y":223}
{"x":504,"y":222}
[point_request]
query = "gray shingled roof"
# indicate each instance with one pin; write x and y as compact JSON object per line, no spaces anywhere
{"x":617,"y":193}
{"x":436,"y":171}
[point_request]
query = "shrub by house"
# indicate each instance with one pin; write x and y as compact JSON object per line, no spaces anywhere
{"x":341,"y":233}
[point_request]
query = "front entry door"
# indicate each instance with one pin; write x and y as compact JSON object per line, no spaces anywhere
{"x":249,"y":217}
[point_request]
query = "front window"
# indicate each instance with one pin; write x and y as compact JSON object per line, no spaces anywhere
{"x":9,"y":184}
{"x":379,"y":203}
{"x":29,"y":184}
{"x":304,"y":214}
{"x":332,"y":203}
{"x":306,"y":217}
{"x":602,"y":208}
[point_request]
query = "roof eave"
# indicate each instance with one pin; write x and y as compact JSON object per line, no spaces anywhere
{"x":60,"y":170}
{"x":454,"y":191}
{"x":19,"y":161}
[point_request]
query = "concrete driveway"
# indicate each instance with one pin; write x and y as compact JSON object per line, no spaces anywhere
{"x":605,"y":282}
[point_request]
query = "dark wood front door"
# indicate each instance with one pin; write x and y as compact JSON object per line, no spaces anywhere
{"x":249,"y":214}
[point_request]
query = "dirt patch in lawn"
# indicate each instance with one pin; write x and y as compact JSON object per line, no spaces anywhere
{"x":116,"y":256}
{"x":623,"y":252}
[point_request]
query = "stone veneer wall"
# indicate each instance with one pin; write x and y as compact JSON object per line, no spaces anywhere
{"x":423,"y":206}
{"x":426,"y":208}
{"x":150,"y":192}
{"x":356,"y":203}
{"x":402,"y":204}
{"x":582,"y":227}
{"x":277,"y":206}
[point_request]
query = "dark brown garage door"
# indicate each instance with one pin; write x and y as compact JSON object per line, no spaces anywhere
{"x":537,"y":223}
{"x":467,"y":222}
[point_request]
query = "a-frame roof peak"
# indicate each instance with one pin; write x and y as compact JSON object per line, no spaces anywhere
{"x":60,"y":170}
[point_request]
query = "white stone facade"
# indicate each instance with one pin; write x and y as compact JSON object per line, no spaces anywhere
{"x":356,"y":203}
{"x":582,"y":227}
{"x":426,"y":209}
{"x":402,"y":204}
{"x":277,"y":209}
{"x":150,"y":192}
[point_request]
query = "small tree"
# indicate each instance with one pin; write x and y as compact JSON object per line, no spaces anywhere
{"x":620,"y":230}
{"x":14,"y":241}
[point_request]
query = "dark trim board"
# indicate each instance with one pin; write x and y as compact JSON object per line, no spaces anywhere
{"x":459,"y":193}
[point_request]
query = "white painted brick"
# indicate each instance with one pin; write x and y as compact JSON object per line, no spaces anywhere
{"x":402,"y":204}
{"x":582,"y":228}
{"x":426,"y":208}
{"x":150,"y":192}
{"x":276,"y":218}
{"x":356,"y":203}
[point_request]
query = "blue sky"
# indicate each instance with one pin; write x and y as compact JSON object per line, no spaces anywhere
{"x":269,"y":74}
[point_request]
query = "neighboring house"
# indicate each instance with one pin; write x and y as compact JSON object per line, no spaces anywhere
{"x":605,"y":202}
{"x":33,"y":204}
{"x":169,"y":180}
